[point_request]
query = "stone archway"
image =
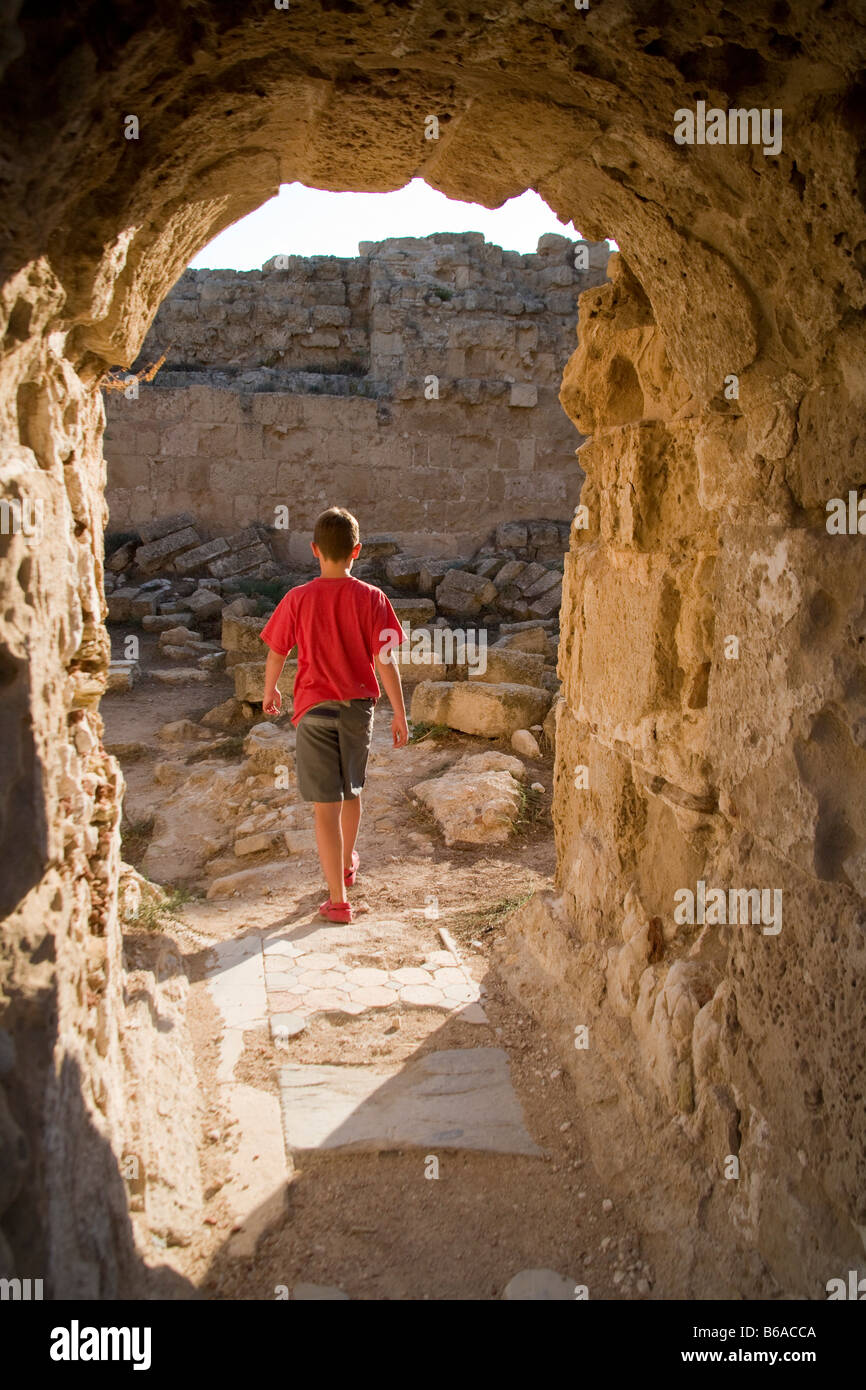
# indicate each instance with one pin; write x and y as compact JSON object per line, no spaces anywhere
{"x":706,"y":523}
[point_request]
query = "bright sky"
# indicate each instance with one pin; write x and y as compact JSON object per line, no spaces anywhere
{"x":309,"y":222}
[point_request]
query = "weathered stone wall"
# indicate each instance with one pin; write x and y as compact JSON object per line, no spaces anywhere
{"x":711,"y":729}
{"x":309,"y":382}
{"x":708,"y":523}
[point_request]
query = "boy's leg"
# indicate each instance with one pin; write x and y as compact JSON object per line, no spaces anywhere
{"x":329,"y":840}
{"x":350,"y":819}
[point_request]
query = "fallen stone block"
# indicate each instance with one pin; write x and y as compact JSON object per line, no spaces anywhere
{"x":514,"y":667}
{"x":164,"y":622}
{"x":122,"y":557}
{"x":162,"y":552}
{"x":200,"y":555}
{"x":241,"y":607}
{"x":214,"y":661}
{"x":180,"y":675}
{"x":174,"y":636}
{"x":240,"y":563}
{"x":268,"y":746}
{"x":184,"y":651}
{"x":120,"y":605}
{"x":122,"y":675}
{"x":528,"y":639}
{"x":431,"y":573}
{"x":241,"y":634}
{"x":165,"y":526}
{"x":525,"y":743}
{"x":464,"y":593}
{"x":509,"y":573}
{"x":548,"y":603}
{"x":474,"y":707}
{"x":226,"y":715}
{"x":204,"y":604}
{"x":402,"y":571}
{"x":477,"y":801}
{"x":380,"y":547}
{"x":249,"y":679}
{"x":416,"y":611}
{"x":550,"y":580}
{"x":529,"y":576}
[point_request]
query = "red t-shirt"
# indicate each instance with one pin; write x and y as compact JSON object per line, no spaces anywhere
{"x":338,"y":626}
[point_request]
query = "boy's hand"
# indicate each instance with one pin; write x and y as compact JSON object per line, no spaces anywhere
{"x":274,"y":704}
{"x":400,"y":730}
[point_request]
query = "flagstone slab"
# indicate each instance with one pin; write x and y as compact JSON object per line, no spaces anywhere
{"x":456,"y":1099}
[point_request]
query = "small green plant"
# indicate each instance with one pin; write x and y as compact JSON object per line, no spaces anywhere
{"x":530,"y":808}
{"x":418,"y":732}
{"x":441,"y":293}
{"x":478,"y":922}
{"x":135,"y":836}
{"x":155,"y":913}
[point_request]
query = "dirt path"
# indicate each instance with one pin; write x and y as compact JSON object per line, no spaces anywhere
{"x":374,"y":1004}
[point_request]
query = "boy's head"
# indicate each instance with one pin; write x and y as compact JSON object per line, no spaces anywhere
{"x":336,"y":536}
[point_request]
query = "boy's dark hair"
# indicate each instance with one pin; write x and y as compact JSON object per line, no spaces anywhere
{"x":336,"y":533}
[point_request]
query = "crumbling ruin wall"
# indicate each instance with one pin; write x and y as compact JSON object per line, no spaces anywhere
{"x":417,"y":385}
{"x":706,"y":520}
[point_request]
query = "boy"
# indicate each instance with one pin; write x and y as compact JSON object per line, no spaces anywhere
{"x":344,"y":630}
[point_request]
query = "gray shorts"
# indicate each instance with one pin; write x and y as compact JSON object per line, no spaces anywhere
{"x":333,"y":741}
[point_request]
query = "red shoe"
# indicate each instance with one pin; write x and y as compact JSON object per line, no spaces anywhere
{"x":350,"y":875}
{"x":336,"y":912}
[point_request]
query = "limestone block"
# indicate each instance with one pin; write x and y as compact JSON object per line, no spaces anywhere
{"x":474,"y":707}
{"x":464,"y":593}
{"x":120,"y":604}
{"x":249,"y":679}
{"x":176,"y":636}
{"x":531,"y":639}
{"x":241,"y":634}
{"x":548,"y":603}
{"x":523,"y":394}
{"x":268,"y":746}
{"x":475,"y":802}
{"x":431,"y":573}
{"x":516,"y":667}
{"x":415,"y":611}
{"x":165,"y":526}
{"x":204,"y":604}
{"x":402,"y":571}
{"x":200,"y":555}
{"x":164,"y":622}
{"x":160,"y":553}
{"x":524,"y":742}
{"x":122,"y":675}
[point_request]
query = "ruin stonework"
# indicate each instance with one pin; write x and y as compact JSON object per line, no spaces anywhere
{"x":707,"y":517}
{"x":418,"y":385}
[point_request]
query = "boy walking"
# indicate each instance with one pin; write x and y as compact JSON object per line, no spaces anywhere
{"x":344,"y":630}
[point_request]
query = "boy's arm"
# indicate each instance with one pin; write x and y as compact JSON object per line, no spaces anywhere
{"x":389,"y":675}
{"x":272,"y":699}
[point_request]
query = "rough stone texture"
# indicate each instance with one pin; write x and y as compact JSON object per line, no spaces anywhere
{"x":705,"y":520}
{"x":477,"y":801}
{"x":477,"y":707}
{"x":277,"y":379}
